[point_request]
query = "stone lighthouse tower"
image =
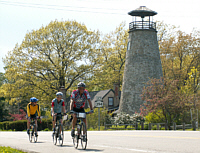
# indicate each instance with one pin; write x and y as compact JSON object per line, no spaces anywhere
{"x":142,"y":59}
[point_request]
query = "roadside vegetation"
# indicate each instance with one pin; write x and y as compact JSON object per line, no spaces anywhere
{"x":4,"y":149}
{"x":66,"y":52}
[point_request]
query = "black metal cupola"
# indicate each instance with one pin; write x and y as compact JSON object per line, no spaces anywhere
{"x":142,"y":12}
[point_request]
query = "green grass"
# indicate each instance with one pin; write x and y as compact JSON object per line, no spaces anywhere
{"x":4,"y":149}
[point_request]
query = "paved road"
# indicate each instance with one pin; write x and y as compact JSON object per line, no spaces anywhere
{"x":111,"y":141}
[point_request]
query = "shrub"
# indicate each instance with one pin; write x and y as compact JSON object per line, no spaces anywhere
{"x":21,"y":125}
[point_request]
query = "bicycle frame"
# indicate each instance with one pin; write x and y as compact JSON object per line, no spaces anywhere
{"x":33,"y":129}
{"x":80,"y":124}
{"x":59,"y":130}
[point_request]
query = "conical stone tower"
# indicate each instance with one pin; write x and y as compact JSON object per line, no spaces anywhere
{"x":142,"y":59}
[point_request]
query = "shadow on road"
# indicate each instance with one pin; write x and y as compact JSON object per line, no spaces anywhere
{"x":95,"y":150}
{"x":64,"y":146}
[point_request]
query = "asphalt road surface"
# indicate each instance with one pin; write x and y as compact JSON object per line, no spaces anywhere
{"x":110,"y":142}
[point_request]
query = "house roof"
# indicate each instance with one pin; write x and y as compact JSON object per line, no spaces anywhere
{"x":94,"y":94}
{"x":101,"y":93}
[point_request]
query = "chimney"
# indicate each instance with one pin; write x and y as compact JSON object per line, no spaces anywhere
{"x":116,"y":94}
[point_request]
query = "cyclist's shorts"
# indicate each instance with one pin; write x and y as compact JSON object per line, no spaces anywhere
{"x":34,"y":116}
{"x":82,"y":110}
{"x":59,"y":116}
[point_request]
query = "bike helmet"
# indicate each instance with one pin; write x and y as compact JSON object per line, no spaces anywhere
{"x":59,"y":94}
{"x":33,"y":99}
{"x":81,"y":84}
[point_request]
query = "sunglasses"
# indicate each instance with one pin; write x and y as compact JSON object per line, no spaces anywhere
{"x":59,"y":96}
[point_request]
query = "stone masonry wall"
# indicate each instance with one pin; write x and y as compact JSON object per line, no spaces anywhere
{"x":142,"y":62}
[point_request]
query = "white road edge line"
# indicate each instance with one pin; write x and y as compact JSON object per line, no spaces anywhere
{"x":124,"y":148}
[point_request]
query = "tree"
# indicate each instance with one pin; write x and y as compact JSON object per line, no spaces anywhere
{"x":112,"y":57}
{"x":21,"y":116}
{"x":2,"y":79}
{"x":49,"y":58}
{"x":163,"y":98}
{"x":192,"y":87}
{"x":3,"y":110}
{"x":179,"y":52}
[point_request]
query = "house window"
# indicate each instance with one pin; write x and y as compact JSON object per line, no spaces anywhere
{"x":110,"y":101}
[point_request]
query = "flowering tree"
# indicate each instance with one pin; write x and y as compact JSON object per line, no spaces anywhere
{"x":165,"y":97}
{"x":21,"y":116}
{"x":123,"y":118}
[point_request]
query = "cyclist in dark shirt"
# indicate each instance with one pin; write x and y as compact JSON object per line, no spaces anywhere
{"x":77,"y":104}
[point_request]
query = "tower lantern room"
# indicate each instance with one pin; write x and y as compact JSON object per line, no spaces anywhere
{"x":142,"y":12}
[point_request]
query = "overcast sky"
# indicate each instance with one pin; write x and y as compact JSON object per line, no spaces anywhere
{"x":17,"y":17}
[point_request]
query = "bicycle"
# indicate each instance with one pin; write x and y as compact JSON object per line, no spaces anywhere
{"x":59,"y":132}
{"x":80,"y":130}
{"x":33,"y":136}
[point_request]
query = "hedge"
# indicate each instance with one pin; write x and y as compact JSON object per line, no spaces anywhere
{"x":22,"y":125}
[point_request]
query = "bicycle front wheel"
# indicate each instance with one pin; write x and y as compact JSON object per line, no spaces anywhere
{"x":83,"y":136}
{"x":54,"y":138}
{"x":75,"y":139}
{"x":32,"y":135}
{"x":61,"y":135}
{"x":35,"y":138}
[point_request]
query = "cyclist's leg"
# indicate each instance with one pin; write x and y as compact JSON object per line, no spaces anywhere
{"x":61,"y":124}
{"x":35,"y":118}
{"x":84,"y":120}
{"x":73,"y":125}
{"x":74,"y":120}
{"x":54,"y":122}
{"x":36,"y":126}
{"x":28,"y":125}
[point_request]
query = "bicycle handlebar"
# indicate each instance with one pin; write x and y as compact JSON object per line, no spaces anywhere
{"x":35,"y":118}
{"x":62,"y":114}
{"x":73,"y":112}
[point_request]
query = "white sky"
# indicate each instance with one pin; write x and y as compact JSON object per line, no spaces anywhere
{"x":17,"y":17}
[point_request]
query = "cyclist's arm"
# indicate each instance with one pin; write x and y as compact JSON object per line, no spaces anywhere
{"x":63,"y":107}
{"x":71,"y":104}
{"x":52,"y":110}
{"x":90,"y":103}
{"x":28,"y":111}
{"x":38,"y":110}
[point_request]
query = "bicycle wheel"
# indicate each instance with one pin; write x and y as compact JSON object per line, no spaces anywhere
{"x":35,"y":138}
{"x":29,"y":135}
{"x":32,"y":135}
{"x":75,"y":139}
{"x":83,"y":136}
{"x":54,"y":135}
{"x":61,"y":136}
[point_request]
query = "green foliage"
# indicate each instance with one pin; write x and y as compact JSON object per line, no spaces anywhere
{"x":22,"y":125}
{"x":163,"y":98}
{"x":3,"y":110}
{"x":48,"y":114}
{"x":48,"y":58}
{"x":112,"y":60}
{"x":92,"y":119}
{"x":47,"y":129}
{"x":2,"y":79}
{"x":4,"y":149}
{"x":155,"y":117}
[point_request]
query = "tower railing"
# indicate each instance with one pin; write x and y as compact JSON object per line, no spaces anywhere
{"x":142,"y":25}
